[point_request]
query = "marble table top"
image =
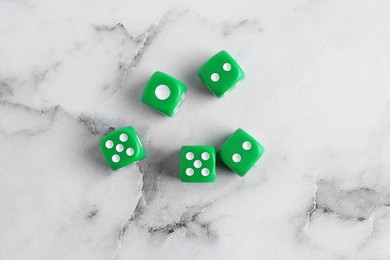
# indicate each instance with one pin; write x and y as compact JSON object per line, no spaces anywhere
{"x":316,"y":95}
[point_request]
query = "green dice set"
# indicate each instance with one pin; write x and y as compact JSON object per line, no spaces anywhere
{"x":221,"y":73}
{"x":240,"y":152}
{"x":163,"y":93}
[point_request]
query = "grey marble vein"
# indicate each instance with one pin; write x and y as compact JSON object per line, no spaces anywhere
{"x":357,"y":204}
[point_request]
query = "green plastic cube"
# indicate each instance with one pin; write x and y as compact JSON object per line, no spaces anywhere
{"x":122,"y":147}
{"x":240,"y":152}
{"x":164,"y":93}
{"x":221,"y":73}
{"x":197,"y":163}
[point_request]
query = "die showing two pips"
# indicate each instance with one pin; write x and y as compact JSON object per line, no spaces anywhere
{"x":220,"y":74}
{"x":241,"y":152}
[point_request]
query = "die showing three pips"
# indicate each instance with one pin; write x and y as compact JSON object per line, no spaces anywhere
{"x":221,"y":73}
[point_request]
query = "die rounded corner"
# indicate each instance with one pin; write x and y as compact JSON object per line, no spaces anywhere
{"x":142,"y":157}
{"x":183,"y":89}
{"x":199,"y":72}
{"x":213,"y":149}
{"x":242,"y":175}
{"x":144,"y":96}
{"x":238,"y":130}
{"x":169,"y":115}
{"x":242,"y":73}
{"x":261,"y":149}
{"x":217,"y":95}
{"x":128,"y":127}
{"x":115,"y":169}
{"x":184,"y":147}
{"x":156,"y":74}
{"x":223,"y":52}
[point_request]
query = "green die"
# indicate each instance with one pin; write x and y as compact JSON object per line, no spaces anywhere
{"x":240,"y":152}
{"x":221,"y":73}
{"x":164,"y":93}
{"x":122,"y":147}
{"x":197,"y":163}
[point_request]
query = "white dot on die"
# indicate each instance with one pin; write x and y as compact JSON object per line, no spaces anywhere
{"x":197,"y":164}
{"x":190,"y":171}
{"x":205,"y":172}
{"x":109,"y":144}
{"x":236,"y":158}
{"x":129,"y":151}
{"x":189,"y":156}
{"x":246,"y":145}
{"x":162,"y":92}
{"x":123,"y":137}
{"x":215,"y":77}
{"x":115,"y":158}
{"x":205,"y":156}
{"x":227,"y":67}
{"x":119,"y":148}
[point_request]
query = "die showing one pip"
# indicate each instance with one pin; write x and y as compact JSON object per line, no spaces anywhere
{"x":197,"y":163}
{"x":221,"y":73}
{"x":240,"y":152}
{"x":122,"y":147}
{"x":164,"y":93}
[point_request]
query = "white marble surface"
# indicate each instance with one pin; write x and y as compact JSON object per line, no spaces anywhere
{"x":317,"y":96}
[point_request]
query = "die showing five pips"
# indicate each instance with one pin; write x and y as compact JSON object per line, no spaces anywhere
{"x":220,"y":74}
{"x":122,"y":147}
{"x":197,"y":163}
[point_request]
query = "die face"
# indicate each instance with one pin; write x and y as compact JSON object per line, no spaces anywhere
{"x":164,"y":93}
{"x":197,"y":163}
{"x":241,"y":152}
{"x":221,"y":73}
{"x":122,"y":147}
